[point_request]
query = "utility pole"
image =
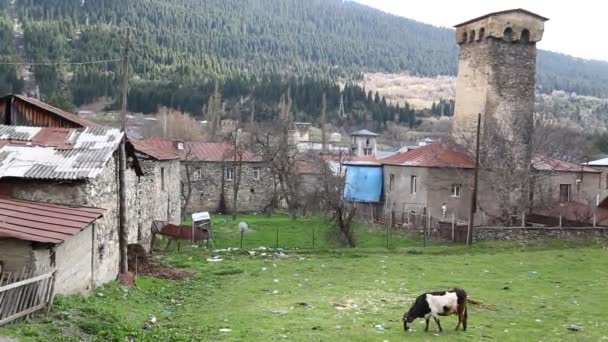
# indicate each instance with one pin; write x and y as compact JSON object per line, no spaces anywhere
{"x":475,"y":183}
{"x":123,"y":228}
{"x":323,"y":123}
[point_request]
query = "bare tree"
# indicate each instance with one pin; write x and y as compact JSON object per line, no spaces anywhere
{"x":176,"y":125}
{"x":342,"y":211}
{"x":186,"y":183}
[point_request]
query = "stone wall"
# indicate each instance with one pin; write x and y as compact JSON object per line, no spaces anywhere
{"x":153,"y":196}
{"x":14,"y":254}
{"x":253,"y":196}
{"x":536,"y":233}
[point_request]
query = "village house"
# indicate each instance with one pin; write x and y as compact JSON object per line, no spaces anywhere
{"x":39,"y":236}
{"x":433,"y":178}
{"x":211,"y":171}
{"x":72,"y":167}
{"x":364,"y":143}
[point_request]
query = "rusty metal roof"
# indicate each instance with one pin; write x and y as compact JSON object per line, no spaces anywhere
{"x":73,"y":118}
{"x":544,"y":163}
{"x":167,"y":149}
{"x":56,"y":153}
{"x":520,"y":10}
{"x":433,"y":155}
{"x":43,"y":222}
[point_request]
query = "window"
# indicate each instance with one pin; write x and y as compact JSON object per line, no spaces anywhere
{"x":367,"y":142}
{"x":391,"y":182}
{"x":507,"y":35}
{"x":229,"y":173}
{"x":413,"y":185}
{"x":564,"y":193}
{"x":456,"y":190}
{"x":525,"y":36}
{"x":606,"y":182}
{"x":198,"y":174}
{"x":464,"y":37}
{"x":256,"y":173}
{"x":472,"y":37}
{"x":162,"y":178}
{"x":482,"y":33}
{"x":367,"y":151}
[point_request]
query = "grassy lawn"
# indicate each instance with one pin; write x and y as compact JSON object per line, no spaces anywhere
{"x":331,"y":294}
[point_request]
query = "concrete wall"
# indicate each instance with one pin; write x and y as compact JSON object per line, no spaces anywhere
{"x":361,"y":142}
{"x":434,"y":187}
{"x":76,"y":263}
{"x":253,"y":196}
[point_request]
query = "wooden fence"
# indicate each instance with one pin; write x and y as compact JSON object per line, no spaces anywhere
{"x":24,"y":293}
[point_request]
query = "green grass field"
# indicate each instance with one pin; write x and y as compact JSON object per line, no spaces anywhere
{"x":333,"y":294}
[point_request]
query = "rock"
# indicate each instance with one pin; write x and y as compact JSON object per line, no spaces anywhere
{"x":279,"y":312}
{"x":225,"y":330}
{"x":316,"y":327}
{"x":379,"y":327}
{"x":574,"y":327}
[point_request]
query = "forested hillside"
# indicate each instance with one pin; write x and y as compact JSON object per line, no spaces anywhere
{"x":179,"y":47}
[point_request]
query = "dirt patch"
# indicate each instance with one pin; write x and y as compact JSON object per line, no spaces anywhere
{"x":142,"y":263}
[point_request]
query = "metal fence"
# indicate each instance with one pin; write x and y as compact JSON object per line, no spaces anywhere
{"x":24,"y":293}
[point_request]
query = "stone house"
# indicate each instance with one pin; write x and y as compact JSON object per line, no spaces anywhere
{"x":211,"y":171}
{"x":38,"y":236}
{"x":427,"y":178}
{"x":364,"y":143}
{"x":72,"y":167}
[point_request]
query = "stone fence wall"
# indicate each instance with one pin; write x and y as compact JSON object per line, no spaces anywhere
{"x":458,"y":234}
{"x":538,"y":233}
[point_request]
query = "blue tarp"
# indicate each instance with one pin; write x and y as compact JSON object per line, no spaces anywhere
{"x":363,"y":184}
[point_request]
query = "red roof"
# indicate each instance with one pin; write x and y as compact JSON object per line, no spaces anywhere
{"x":43,"y":222}
{"x":433,"y":155}
{"x":544,"y":163}
{"x":167,"y":149}
{"x":58,"y":112}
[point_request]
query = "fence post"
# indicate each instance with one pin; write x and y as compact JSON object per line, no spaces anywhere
{"x":313,"y":237}
{"x":594,"y":217}
{"x":277,"y":244}
{"x":523,"y":219}
{"x":453,"y":224}
{"x":560,"y":220}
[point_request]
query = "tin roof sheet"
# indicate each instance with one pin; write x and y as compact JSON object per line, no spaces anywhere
{"x":167,"y":149}
{"x":433,"y":155}
{"x":56,"y":153}
{"x":43,"y":222}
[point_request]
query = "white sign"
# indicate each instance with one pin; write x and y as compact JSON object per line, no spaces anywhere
{"x":203,"y":216}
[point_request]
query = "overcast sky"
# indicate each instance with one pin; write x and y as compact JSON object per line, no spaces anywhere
{"x":576,"y":28}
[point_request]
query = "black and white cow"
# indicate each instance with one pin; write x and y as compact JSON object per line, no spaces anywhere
{"x":435,"y":304}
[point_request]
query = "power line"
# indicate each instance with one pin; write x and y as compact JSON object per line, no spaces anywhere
{"x":62,"y":63}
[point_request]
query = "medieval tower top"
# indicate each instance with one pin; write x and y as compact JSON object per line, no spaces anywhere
{"x":496,"y":74}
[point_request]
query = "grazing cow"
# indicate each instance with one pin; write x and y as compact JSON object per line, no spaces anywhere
{"x":435,"y":304}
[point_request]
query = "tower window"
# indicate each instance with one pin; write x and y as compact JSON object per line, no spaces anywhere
{"x":507,"y":35}
{"x":472,"y":37}
{"x":482,"y":33}
{"x":525,"y":36}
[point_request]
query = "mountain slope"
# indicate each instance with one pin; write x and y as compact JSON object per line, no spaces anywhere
{"x":187,"y":41}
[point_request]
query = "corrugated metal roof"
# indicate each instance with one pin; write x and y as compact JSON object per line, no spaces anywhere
{"x":43,"y":222}
{"x":56,"y":153}
{"x":58,"y":112}
{"x":365,"y":133}
{"x":544,"y":163}
{"x":166,"y":149}
{"x":599,"y":162}
{"x":433,"y":155}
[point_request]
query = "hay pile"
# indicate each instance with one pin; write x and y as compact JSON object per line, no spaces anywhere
{"x":142,"y":263}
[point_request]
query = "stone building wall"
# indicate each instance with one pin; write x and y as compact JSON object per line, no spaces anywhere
{"x":153,"y":196}
{"x":253,"y":196}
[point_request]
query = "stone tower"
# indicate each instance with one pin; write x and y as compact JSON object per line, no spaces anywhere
{"x":496,"y":75}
